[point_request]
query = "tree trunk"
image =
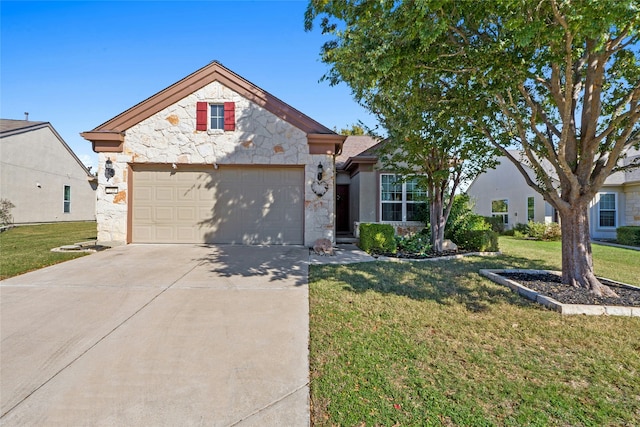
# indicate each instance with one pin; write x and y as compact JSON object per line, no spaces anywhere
{"x":437,"y":221}
{"x":577,"y":260}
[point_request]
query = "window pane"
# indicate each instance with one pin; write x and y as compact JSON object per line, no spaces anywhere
{"x":607,"y":218}
{"x":67,"y":199}
{"x":217,"y":116}
{"x":607,"y":201}
{"x":390,"y":189}
{"x":414,"y":192}
{"x":392,"y":211}
{"x":500,"y":206}
{"x":413,"y":210}
{"x":530,"y":209}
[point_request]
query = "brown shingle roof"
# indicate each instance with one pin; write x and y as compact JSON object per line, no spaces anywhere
{"x":353,"y":146}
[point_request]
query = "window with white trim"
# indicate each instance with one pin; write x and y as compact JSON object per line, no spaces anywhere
{"x":66,"y":202}
{"x":500,"y":209}
{"x":530,"y":209}
{"x":400,"y":200}
{"x":217,"y":116}
{"x":607,"y":210}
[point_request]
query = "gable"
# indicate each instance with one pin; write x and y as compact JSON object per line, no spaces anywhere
{"x":110,"y":135}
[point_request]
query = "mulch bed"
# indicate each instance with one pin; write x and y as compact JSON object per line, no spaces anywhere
{"x":551,"y":286}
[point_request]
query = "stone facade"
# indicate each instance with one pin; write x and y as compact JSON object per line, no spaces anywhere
{"x":632,"y":208}
{"x":170,"y":137}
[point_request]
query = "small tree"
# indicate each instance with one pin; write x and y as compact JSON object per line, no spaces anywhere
{"x":5,"y":212}
{"x":428,"y":142}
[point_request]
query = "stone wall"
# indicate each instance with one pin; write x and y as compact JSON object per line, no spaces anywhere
{"x":170,"y":137}
{"x":632,"y":208}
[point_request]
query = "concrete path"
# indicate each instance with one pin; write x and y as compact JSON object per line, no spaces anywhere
{"x":158,"y":335}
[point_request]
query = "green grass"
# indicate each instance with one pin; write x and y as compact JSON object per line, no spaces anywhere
{"x":435,"y":344}
{"x":28,"y":247}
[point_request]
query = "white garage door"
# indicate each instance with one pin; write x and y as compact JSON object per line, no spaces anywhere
{"x":229,"y":205}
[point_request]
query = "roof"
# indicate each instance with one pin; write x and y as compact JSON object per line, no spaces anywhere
{"x":354,"y":146}
{"x":9,"y":126}
{"x":212,"y":72}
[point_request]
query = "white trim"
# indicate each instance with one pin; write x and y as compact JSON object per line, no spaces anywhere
{"x":495,"y":214}
{"x":615,"y":211}
{"x":402,"y":202}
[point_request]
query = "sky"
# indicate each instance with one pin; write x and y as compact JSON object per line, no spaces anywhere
{"x":77,"y":64}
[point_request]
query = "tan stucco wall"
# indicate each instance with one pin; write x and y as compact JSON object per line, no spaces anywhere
{"x":506,"y":182}
{"x":632,"y":208}
{"x":260,"y":138}
{"x":35,"y":167}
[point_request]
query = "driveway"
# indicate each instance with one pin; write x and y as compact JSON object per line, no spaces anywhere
{"x":158,"y":335}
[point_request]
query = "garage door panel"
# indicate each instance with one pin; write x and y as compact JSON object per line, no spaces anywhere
{"x":229,"y":205}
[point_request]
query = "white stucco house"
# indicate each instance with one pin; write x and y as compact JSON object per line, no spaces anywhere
{"x":214,"y":158}
{"x":503,"y":192}
{"x":41,"y":176}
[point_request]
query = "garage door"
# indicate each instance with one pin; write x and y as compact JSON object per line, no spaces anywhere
{"x":228,"y":205}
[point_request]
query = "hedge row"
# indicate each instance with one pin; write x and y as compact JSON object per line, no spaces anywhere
{"x":628,"y":235}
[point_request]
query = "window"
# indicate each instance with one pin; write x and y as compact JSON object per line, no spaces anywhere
{"x":220,"y":116}
{"x":500,"y":209}
{"x":530,"y":209}
{"x":400,"y":201}
{"x":67,"y":199}
{"x":607,"y":210}
{"x":217,"y":116}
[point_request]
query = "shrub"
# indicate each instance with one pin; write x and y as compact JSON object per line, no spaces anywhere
{"x":628,"y":235}
{"x":418,"y":243}
{"x":553,"y":231}
{"x":5,"y":212}
{"x":542,"y":231}
{"x":479,"y":240}
{"x":377,"y":238}
{"x":496,"y":223}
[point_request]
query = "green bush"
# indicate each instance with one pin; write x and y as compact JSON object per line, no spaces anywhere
{"x":377,"y":238}
{"x":479,"y":240}
{"x":418,"y":243}
{"x":5,"y":212}
{"x":542,"y":231}
{"x":628,"y":235}
{"x":496,"y":223}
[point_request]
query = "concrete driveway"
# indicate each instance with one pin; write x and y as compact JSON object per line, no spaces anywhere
{"x":158,"y":335}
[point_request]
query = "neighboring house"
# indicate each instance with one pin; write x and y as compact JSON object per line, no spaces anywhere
{"x":41,"y":176}
{"x":366,"y":192}
{"x":215,"y":159}
{"x":503,"y":192}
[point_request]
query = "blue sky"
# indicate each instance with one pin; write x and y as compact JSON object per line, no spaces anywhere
{"x":77,"y":64}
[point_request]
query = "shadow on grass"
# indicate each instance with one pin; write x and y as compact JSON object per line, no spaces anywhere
{"x":445,"y":282}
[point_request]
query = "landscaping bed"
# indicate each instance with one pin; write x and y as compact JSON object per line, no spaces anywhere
{"x":551,"y":285}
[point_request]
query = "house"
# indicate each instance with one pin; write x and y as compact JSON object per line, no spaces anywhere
{"x":214,"y":158}
{"x":503,"y":192}
{"x":367,"y":193}
{"x":41,"y":176}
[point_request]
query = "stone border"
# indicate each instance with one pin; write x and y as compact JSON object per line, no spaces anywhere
{"x":90,"y":246}
{"x":568,"y":309}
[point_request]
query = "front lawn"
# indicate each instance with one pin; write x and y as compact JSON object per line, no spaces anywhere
{"x":436,"y":344}
{"x":28,"y":247}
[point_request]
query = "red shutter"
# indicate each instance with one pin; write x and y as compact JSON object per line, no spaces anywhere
{"x":229,"y":116}
{"x":201,"y":115}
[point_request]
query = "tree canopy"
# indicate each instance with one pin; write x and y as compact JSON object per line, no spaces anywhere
{"x":557,"y":79}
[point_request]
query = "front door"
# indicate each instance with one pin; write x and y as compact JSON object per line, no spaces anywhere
{"x":342,"y":208}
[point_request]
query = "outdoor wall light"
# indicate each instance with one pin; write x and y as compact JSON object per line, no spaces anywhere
{"x":109,"y":171}
{"x":320,"y":171}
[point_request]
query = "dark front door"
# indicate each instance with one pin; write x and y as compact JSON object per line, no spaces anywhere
{"x":342,"y":208}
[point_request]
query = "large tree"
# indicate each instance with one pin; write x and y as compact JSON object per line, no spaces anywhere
{"x":558,"y":79}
